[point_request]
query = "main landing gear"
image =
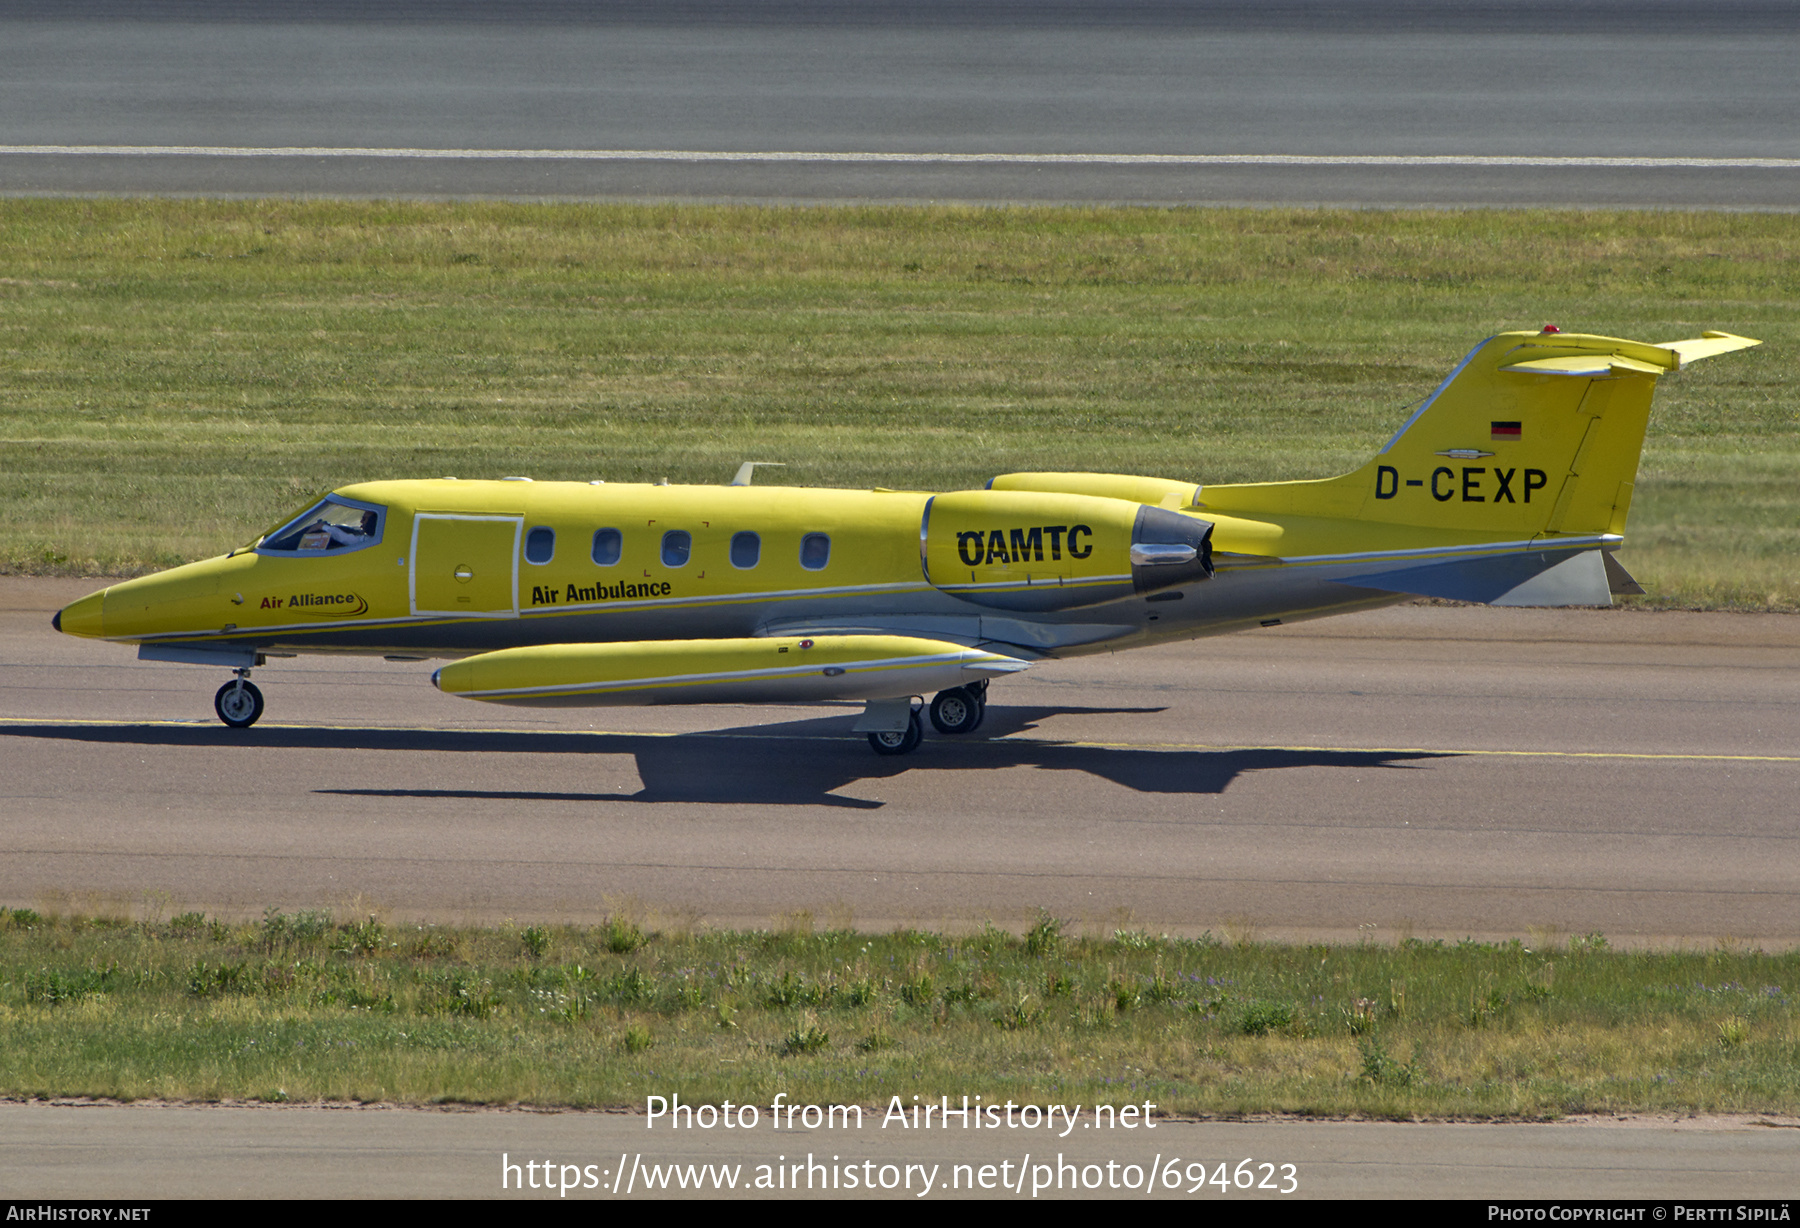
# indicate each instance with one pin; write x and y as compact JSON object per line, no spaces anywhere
{"x":239,"y":703}
{"x":957,"y":711}
{"x":961,"y":709}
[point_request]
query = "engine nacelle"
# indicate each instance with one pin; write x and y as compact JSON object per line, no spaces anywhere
{"x":1037,"y":551}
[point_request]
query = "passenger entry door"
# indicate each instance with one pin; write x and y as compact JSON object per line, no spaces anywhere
{"x":466,"y":565}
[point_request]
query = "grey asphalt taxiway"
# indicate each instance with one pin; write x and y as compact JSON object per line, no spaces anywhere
{"x":1418,"y":770}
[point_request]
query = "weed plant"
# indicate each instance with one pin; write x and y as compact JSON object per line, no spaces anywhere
{"x":308,"y":1007}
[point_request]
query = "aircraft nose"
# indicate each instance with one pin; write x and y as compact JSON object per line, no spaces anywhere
{"x":82,"y":617}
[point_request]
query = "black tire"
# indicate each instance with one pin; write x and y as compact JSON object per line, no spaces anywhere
{"x":956,"y":711}
{"x":899,"y":743}
{"x":238,"y":704}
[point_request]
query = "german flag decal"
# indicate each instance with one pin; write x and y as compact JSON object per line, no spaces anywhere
{"x":1505,"y":430}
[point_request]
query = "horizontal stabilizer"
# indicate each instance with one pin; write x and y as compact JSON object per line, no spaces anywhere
{"x":1603,"y":356}
{"x":1707,"y":344}
{"x":1590,"y":366}
{"x":1534,"y":578}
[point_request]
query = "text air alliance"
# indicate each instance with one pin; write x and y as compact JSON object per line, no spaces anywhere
{"x":350,"y":604}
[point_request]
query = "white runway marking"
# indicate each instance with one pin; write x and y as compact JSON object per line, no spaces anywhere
{"x":874,"y":157}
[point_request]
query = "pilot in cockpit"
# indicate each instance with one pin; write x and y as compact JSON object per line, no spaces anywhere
{"x":351,"y":535}
{"x":327,"y":533}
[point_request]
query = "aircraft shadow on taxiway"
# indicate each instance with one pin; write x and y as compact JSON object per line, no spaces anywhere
{"x":743,"y":765}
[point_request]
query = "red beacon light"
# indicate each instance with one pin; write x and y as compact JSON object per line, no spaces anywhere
{"x":1550,"y":328}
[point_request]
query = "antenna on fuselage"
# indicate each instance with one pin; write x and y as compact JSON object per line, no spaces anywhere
{"x":747,"y":470}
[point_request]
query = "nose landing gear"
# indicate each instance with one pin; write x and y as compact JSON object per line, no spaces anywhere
{"x":238,"y":702}
{"x":903,"y":743}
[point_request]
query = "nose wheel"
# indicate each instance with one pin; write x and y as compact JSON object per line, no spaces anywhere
{"x":887,"y":743}
{"x":238,"y":702}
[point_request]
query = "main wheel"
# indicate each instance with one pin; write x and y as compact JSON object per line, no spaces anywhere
{"x":899,"y":743}
{"x":238,"y":704}
{"x":957,"y":710}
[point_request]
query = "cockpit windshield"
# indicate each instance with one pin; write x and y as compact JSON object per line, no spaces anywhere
{"x":334,"y":525}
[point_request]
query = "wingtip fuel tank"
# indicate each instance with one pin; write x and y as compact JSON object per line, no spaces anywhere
{"x":786,"y":669}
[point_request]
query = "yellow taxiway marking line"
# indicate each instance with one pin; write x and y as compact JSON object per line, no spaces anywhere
{"x":1443,"y":750}
{"x":793,"y":737}
{"x":202,"y":723}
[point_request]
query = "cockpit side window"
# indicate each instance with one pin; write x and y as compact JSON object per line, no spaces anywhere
{"x":334,"y":525}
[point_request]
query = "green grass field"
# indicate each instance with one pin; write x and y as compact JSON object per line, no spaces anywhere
{"x":177,"y":375}
{"x":305,"y":1008}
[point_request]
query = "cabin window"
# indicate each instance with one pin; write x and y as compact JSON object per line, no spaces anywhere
{"x":540,"y":545}
{"x":746,"y":550}
{"x":677,"y":545}
{"x":334,"y":525}
{"x":815,"y":551}
{"x":609,"y":544}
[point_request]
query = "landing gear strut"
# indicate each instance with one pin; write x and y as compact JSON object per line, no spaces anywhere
{"x":239,"y":703}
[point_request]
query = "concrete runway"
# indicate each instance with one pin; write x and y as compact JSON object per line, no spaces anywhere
{"x":1441,"y":79}
{"x":1424,"y":770}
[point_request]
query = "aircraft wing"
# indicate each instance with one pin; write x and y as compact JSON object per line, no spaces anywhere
{"x":1016,"y":637}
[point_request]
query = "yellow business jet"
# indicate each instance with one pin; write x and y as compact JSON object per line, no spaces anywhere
{"x":1509,"y":485}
